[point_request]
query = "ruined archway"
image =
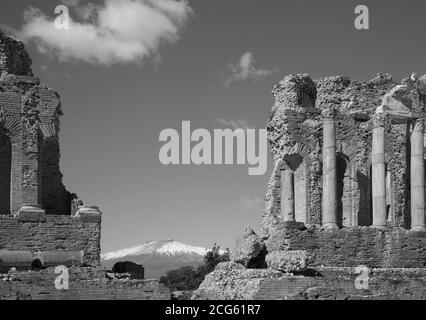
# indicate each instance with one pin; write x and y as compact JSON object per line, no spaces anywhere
{"x":348,"y":191}
{"x":296,"y":165}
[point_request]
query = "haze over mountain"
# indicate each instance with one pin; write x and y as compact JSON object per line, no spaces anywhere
{"x":157,"y":256}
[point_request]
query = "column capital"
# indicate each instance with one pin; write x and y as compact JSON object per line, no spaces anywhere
{"x":419,"y":125}
{"x":379,"y":119}
{"x":329,"y":113}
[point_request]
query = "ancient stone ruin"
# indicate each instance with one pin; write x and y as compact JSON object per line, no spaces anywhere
{"x":347,"y":191}
{"x":42,"y":225}
{"x":40,"y":221}
{"x":345,"y":200}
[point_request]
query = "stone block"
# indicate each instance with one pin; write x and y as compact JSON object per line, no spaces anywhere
{"x":229,"y":265}
{"x":88,"y":214}
{"x":56,"y":258}
{"x":17,"y":259}
{"x":288,"y":261}
{"x":248,"y":248}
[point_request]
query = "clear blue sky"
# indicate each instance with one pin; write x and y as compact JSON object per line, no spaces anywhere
{"x":113,"y":114}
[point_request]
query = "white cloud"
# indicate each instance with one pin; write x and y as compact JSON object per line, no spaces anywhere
{"x":251,"y":203}
{"x":245,"y":70}
{"x":115,"y":31}
{"x":235,"y":124}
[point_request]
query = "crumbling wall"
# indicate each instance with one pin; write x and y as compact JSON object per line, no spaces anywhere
{"x":295,"y":127}
{"x":84,"y":284}
{"x":339,"y":284}
{"x":14,"y":59}
{"x":29,"y":117}
{"x":293,"y":130}
{"x":351,"y":247}
{"x":37,"y":222}
{"x":56,"y":233}
{"x":233,"y":282}
{"x":55,"y":199}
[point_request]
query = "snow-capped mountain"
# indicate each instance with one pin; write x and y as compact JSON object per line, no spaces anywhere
{"x":163,"y":247}
{"x":157,"y":257}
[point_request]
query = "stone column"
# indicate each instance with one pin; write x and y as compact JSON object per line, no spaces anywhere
{"x":417,"y":178}
{"x":30,"y":209}
{"x":287,"y":195}
{"x":378,"y":173}
{"x":329,"y":199}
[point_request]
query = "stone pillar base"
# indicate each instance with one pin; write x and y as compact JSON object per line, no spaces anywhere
{"x":330,"y":226}
{"x":418,"y":229}
{"x":89,"y":214}
{"x":380,"y":227}
{"x":31,"y":213}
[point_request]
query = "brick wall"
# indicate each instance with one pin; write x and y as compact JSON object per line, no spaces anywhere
{"x":57,"y":233}
{"x":5,"y":167}
{"x":84,"y":284}
{"x":29,"y":116}
{"x":340,"y":285}
{"x":350,"y":247}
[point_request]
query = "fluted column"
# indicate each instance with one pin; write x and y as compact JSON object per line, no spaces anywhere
{"x":329,"y":200}
{"x":287,"y":195}
{"x":417,"y":178}
{"x":378,"y":175}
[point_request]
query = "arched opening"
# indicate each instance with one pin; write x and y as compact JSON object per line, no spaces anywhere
{"x":36,"y":264}
{"x":297,"y":165}
{"x":346,"y":192}
{"x":365,"y":205}
{"x":5,"y":172}
{"x":342,"y":197}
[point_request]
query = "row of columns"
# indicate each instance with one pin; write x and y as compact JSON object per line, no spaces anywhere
{"x":378,"y":161}
{"x":417,"y":178}
{"x":417,"y":186}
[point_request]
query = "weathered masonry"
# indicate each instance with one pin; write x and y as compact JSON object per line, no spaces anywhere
{"x":333,"y":208}
{"x":349,"y":166}
{"x":346,"y":194}
{"x":41,"y":223}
